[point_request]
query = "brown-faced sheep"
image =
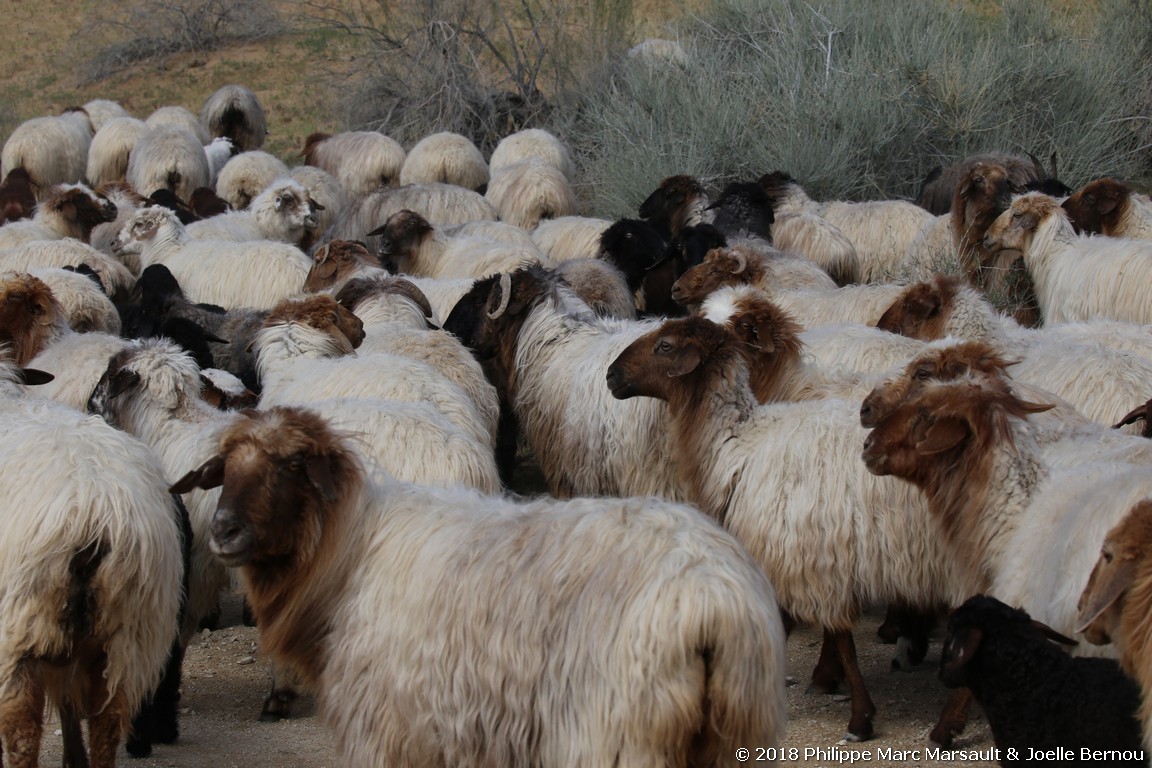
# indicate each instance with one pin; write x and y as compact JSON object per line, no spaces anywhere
{"x":936,"y":193}
{"x":704,"y":620}
{"x":70,"y":210}
{"x":677,"y":202}
{"x":17,"y":196}
{"x":1111,"y":208}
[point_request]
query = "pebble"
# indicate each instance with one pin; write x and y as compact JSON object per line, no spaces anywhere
{"x":247,"y":660}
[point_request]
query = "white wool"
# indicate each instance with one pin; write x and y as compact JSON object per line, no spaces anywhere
{"x":168,"y":158}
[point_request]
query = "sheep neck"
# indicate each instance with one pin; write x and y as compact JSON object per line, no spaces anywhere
{"x":1135,"y":221}
{"x":708,"y":408}
{"x":294,"y":601}
{"x":425,"y":258}
{"x":1134,"y":640}
{"x":981,"y":496}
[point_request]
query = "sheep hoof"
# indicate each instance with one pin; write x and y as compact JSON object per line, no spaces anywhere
{"x":277,"y":706}
{"x":824,"y":689}
{"x":138,"y":747}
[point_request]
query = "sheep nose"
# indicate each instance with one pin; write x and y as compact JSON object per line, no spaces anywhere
{"x":866,"y":412}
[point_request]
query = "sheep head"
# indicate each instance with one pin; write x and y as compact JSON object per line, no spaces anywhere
{"x":17,"y":196}
{"x":320,"y":312}
{"x":206,"y":203}
{"x":360,"y":289}
{"x":289,"y":202}
{"x":30,"y":316}
{"x":1122,"y":566}
{"x":984,"y":186}
{"x":633,"y":247}
{"x":141,"y":227}
{"x":720,"y":267}
{"x":976,"y":359}
{"x":933,"y":428}
{"x":1096,"y":207}
{"x":665,"y":362}
{"x":157,"y":369}
{"x":670,"y":205}
{"x":1015,"y":227}
{"x":921,"y":310}
{"x":755,"y":320}
{"x":79,"y":210}
{"x":335,"y":261}
{"x":282,"y":474}
{"x":401,"y":235}
{"x":777,"y":185}
{"x":978,"y":619}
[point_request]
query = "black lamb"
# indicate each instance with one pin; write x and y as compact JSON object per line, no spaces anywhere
{"x":1035,"y":695}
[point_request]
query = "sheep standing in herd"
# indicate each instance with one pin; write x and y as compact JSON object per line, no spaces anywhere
{"x":234,"y":112}
{"x":363,"y":161}
{"x":53,"y":150}
{"x":672,"y":642}
{"x":90,"y":577}
{"x":1111,"y":208}
{"x":70,"y":210}
{"x":168,"y":158}
{"x":445,"y":158}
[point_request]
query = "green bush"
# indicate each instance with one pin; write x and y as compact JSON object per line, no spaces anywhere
{"x":861,"y":100}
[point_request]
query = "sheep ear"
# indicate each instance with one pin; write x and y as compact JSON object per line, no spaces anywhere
{"x":121,"y":382}
{"x":1028,"y":221}
{"x":959,"y":650}
{"x":1052,"y":634}
{"x":33,"y":376}
{"x":942,"y":435}
{"x":320,"y":475}
{"x":208,"y":475}
{"x":68,"y":208}
{"x":1133,"y":416}
{"x":1106,"y":205}
{"x":378,"y":231}
{"x":687,"y":360}
{"x":276,"y":206}
{"x":1105,"y":586}
{"x":211,"y":394}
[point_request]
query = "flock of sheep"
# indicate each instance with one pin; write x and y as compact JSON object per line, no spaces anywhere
{"x":751,"y":410}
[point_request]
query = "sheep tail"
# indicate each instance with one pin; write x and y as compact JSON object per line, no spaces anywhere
{"x":173,"y":181}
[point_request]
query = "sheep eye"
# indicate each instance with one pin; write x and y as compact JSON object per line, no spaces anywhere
{"x":664,"y":346}
{"x":1106,"y":556}
{"x":923,"y":372}
{"x":978,"y":179}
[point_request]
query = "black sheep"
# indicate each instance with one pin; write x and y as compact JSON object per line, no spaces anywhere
{"x":1035,"y":695}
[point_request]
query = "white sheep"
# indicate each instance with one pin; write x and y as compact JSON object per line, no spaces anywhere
{"x":418,"y":248}
{"x":549,"y":352}
{"x":492,"y":230}
{"x":569,"y":237}
{"x":219,"y":151}
{"x":86,"y":306}
{"x":786,"y":480}
{"x":363,"y":161}
{"x":441,"y":204}
{"x":1102,"y":368}
{"x":670,"y":642}
{"x":53,"y":150}
{"x":110,"y":148}
{"x":101,"y":112}
{"x":246,"y":175}
{"x":527,"y":192}
{"x":253,"y":274}
{"x":116,"y":278}
{"x":90,"y":577}
{"x":396,"y":317}
{"x":1076,"y":278}
{"x":69,"y":210}
{"x":326,"y":190}
{"x":600,"y":285}
{"x":815,"y":238}
{"x":127,"y":202}
{"x":284,"y":211}
{"x":446,"y":158}
{"x":168,"y":158}
{"x":533,"y":144}
{"x":1027,"y":528}
{"x":234,"y":112}
{"x":179,"y":117}
{"x":880,"y":230}
{"x":303,"y":357}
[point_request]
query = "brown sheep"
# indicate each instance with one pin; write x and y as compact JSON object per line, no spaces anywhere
{"x":938,"y":189}
{"x":322,"y":312}
{"x":1111,"y":208}
{"x":70,"y":210}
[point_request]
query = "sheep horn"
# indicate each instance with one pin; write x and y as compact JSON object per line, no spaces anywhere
{"x":741,"y":263}
{"x":505,"y":296}
{"x":1052,"y":634}
{"x":1040,"y":173}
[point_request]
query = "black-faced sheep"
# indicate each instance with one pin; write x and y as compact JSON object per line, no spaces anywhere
{"x":703,"y":632}
{"x":1037,"y":698}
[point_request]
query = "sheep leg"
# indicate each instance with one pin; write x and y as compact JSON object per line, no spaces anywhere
{"x":953,"y":718}
{"x":75,"y":754}
{"x":158,"y":721}
{"x":828,"y":672}
{"x":863,"y":709}
{"x":912,"y":626}
{"x":107,"y":726}
{"x":25,"y":726}
{"x":278,"y":704}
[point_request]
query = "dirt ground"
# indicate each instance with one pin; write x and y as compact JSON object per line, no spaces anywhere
{"x":226,"y":678}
